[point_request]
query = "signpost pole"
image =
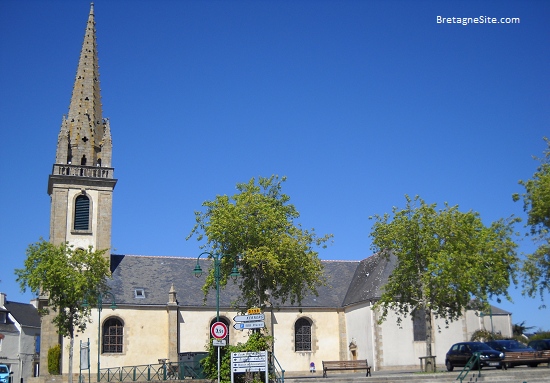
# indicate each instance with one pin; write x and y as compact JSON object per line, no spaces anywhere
{"x":234,"y":274}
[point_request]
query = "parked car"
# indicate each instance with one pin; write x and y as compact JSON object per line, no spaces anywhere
{"x":540,"y":345}
{"x":5,"y":373}
{"x":511,"y":345}
{"x":459,"y":354}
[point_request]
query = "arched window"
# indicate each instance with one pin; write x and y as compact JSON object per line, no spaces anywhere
{"x":302,"y":335}
{"x":113,"y":336}
{"x":225,"y":321}
{"x":82,"y":213}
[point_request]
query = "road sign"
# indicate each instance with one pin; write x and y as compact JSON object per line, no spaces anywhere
{"x":248,"y":362}
{"x":248,"y":325}
{"x":219,"y":342}
{"x":249,"y":318}
{"x":253,"y":310}
{"x":219,"y":330}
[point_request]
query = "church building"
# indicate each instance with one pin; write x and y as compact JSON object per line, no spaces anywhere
{"x":157,"y":309}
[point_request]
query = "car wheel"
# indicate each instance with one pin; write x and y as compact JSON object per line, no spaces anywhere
{"x":449,"y":365}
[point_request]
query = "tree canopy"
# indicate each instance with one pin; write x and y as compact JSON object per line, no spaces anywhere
{"x":536,"y":203}
{"x":257,"y":226}
{"x":67,"y":276}
{"x":445,"y":259}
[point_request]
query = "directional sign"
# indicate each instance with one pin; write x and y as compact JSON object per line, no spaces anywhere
{"x":248,"y":361}
{"x":248,"y":325}
{"x":249,"y":318}
{"x":219,"y":330}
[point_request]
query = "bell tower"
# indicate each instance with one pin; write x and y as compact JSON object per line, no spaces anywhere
{"x":82,"y":180}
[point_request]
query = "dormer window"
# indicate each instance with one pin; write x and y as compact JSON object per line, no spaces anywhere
{"x":139,"y":293}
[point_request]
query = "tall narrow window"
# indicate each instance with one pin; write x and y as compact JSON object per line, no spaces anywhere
{"x":302,"y":335}
{"x":419,"y":325}
{"x":82,"y":213}
{"x":113,"y":335}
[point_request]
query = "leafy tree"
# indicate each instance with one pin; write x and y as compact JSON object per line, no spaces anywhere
{"x":445,"y":258}
{"x":276,"y":256}
{"x":536,"y":203}
{"x":68,"y":276}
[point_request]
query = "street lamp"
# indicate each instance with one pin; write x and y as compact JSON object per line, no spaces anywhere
{"x":217,"y":275}
{"x":99,"y":309}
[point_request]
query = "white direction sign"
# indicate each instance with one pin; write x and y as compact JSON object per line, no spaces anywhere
{"x":249,"y":318}
{"x":248,"y":361}
{"x":248,"y":325}
{"x":219,"y":330}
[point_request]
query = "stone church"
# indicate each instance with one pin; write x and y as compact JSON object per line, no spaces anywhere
{"x":160,"y":309}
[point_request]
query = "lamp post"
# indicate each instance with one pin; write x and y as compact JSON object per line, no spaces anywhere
{"x":217,"y":275}
{"x":113,"y":306}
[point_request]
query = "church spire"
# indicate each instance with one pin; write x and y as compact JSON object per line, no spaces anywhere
{"x":85,"y":137}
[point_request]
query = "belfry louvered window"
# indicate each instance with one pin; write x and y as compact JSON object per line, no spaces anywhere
{"x":302,"y":335}
{"x":82,"y":213}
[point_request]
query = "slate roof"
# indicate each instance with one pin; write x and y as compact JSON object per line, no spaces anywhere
{"x":348,"y":282}
{"x":24,"y":313}
{"x":371,"y":274}
{"x":155,"y":275}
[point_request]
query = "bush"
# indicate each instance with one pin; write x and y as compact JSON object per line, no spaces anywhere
{"x":256,"y":342}
{"x":540,"y":335}
{"x":54,"y":360}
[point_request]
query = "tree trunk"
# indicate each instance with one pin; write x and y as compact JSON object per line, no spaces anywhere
{"x":71,"y":344}
{"x":428,"y":316}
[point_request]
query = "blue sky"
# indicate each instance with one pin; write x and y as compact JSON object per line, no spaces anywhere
{"x":357,"y":102}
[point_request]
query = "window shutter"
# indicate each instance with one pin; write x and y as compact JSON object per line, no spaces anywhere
{"x":82,"y":213}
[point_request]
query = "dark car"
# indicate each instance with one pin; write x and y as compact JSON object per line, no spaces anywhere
{"x":460,"y":353}
{"x":511,"y":345}
{"x":540,"y":345}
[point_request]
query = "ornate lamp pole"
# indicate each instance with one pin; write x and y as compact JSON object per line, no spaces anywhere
{"x":113,"y":306}
{"x":217,"y":275}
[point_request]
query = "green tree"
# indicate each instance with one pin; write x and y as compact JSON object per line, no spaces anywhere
{"x":67,"y":276}
{"x":445,"y":258}
{"x":276,"y":256}
{"x":536,"y":203}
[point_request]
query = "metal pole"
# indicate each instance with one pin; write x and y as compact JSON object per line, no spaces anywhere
{"x":99,"y":308}
{"x":217,"y":277}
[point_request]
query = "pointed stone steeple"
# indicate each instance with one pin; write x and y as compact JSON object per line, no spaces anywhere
{"x":82,"y":180}
{"x":85,"y":137}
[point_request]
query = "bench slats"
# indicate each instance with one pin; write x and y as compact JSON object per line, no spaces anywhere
{"x":345,"y":365}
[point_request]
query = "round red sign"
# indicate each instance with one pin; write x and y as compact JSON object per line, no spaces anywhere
{"x":218,"y":330}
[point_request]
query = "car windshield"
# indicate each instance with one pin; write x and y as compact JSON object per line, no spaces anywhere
{"x":3,"y":370}
{"x":479,"y":347}
{"x":511,"y":344}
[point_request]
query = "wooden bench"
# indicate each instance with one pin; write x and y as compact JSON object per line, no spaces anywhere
{"x":526,"y":357}
{"x":345,"y":365}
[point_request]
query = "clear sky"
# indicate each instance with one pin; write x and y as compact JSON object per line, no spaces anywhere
{"x":357,"y":102}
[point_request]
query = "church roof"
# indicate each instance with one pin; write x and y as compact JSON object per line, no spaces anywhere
{"x":146,"y":280}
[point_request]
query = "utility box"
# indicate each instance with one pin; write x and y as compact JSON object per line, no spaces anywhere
{"x":190,"y":365}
